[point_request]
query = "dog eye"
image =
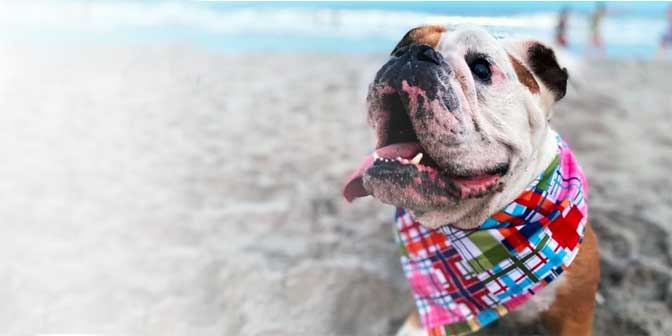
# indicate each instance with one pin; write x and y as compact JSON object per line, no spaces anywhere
{"x":480,"y":67}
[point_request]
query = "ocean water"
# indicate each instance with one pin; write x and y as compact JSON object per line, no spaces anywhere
{"x":630,"y":29}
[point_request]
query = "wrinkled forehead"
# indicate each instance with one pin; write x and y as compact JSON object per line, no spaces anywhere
{"x":465,"y":40}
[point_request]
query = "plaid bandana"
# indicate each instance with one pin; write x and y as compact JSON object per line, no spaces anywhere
{"x":464,"y":280}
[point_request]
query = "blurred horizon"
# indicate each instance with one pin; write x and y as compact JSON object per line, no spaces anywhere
{"x":176,"y":168}
{"x":630,"y":29}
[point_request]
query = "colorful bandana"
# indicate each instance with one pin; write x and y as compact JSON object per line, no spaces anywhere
{"x":464,"y":279}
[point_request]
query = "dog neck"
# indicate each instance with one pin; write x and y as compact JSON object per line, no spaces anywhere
{"x":472,"y":213}
{"x":531,"y":168}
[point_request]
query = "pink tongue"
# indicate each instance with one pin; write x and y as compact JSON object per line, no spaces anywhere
{"x":355,"y":188}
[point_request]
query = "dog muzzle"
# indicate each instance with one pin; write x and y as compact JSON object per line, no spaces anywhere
{"x":463,"y":280}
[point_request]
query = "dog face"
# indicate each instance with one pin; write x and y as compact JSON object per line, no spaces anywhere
{"x":459,"y":118}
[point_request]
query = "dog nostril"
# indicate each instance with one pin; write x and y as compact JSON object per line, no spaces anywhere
{"x":420,"y":52}
{"x":430,"y":55}
{"x":425,"y":53}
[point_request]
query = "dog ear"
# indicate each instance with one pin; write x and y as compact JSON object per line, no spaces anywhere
{"x":428,"y":35}
{"x":539,"y":60}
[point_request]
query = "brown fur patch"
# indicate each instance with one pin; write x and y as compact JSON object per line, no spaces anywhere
{"x":571,"y":314}
{"x":428,"y":35}
{"x":524,"y":75}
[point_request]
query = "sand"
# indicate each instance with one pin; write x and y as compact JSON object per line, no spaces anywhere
{"x":176,"y":191}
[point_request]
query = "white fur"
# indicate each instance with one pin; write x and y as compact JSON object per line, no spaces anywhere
{"x":510,"y":116}
{"x":529,"y":311}
{"x":410,"y":329}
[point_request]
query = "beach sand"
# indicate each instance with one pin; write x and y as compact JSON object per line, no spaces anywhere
{"x":172,"y":191}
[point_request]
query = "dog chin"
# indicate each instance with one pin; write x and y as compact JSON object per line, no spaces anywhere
{"x":418,"y":185}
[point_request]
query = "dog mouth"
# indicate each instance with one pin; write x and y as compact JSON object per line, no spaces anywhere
{"x":403,"y":173}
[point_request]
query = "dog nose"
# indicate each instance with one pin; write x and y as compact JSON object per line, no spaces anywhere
{"x":421,"y":52}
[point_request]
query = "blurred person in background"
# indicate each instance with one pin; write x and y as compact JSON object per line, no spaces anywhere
{"x":596,"y":43}
{"x":666,"y":40}
{"x":561,"y":28}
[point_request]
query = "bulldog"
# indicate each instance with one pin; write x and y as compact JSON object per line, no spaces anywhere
{"x":463,"y":143}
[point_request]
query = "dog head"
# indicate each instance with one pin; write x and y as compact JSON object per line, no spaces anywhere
{"x":460,"y":119}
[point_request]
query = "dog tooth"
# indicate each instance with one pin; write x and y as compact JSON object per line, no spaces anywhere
{"x":417,"y":158}
{"x":375,"y":155}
